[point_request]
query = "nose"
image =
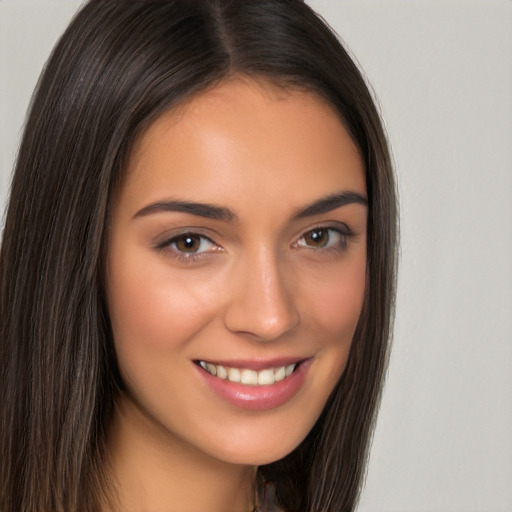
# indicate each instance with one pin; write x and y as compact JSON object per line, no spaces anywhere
{"x":262,"y":302}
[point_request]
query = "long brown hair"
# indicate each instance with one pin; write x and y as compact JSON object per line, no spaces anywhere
{"x":117,"y":68}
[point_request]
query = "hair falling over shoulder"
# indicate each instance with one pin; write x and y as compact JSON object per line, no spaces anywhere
{"x":118,"y":66}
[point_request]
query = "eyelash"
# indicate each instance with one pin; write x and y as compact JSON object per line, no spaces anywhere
{"x":343,"y":232}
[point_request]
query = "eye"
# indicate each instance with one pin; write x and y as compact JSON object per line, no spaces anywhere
{"x":323,"y":238}
{"x":188,"y":247}
{"x":190,"y":243}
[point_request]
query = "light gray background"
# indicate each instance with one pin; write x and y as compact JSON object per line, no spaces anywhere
{"x":443,"y":75}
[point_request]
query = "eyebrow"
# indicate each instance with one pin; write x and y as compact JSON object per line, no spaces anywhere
{"x":330,"y":203}
{"x":209,"y":211}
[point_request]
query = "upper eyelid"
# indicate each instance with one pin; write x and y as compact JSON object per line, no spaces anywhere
{"x":191,"y":235}
{"x":344,"y":232}
{"x":341,"y":227}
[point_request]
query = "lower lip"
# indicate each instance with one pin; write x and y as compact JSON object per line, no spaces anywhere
{"x":258,"y":398}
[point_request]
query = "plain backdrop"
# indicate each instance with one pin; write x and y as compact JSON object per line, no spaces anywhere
{"x":442,"y":72}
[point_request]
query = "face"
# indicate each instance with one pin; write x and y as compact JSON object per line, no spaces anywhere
{"x":236,"y":270}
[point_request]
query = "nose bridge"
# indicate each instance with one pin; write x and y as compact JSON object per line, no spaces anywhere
{"x":262,"y":302}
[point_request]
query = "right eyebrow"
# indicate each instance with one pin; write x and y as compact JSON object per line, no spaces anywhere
{"x":206,"y":210}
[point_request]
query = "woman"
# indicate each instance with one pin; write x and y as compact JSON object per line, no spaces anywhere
{"x":197,"y":266}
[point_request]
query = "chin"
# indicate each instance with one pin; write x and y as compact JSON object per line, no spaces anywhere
{"x":261,"y":444}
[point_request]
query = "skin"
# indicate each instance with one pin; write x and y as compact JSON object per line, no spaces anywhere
{"x":255,"y":287}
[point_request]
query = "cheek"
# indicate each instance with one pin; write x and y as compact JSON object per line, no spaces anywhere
{"x":152,"y":310}
{"x":335,"y":306}
{"x":337,"y":301}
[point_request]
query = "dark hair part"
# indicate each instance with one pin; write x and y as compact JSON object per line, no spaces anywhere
{"x":117,"y":68}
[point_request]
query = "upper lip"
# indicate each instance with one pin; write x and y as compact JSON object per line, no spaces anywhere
{"x":255,"y":364}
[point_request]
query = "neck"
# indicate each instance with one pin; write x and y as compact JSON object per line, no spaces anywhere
{"x":156,"y":472}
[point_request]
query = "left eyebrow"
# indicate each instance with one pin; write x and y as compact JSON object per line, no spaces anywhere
{"x":330,"y":203}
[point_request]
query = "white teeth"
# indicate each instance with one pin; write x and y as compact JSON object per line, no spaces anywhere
{"x":234,"y":375}
{"x":280,"y":373}
{"x":211,"y":368}
{"x":265,"y":377}
{"x":289,"y":369}
{"x":249,"y":377}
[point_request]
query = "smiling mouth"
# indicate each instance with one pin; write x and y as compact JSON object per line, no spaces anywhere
{"x":264,"y":377}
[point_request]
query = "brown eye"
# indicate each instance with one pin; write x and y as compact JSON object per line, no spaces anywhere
{"x":317,"y":238}
{"x":191,"y":243}
{"x":188,"y":243}
{"x":324,"y":238}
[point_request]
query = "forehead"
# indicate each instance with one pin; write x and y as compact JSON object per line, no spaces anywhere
{"x":242,"y":139}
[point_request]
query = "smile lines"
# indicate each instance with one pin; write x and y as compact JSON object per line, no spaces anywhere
{"x":265,"y":377}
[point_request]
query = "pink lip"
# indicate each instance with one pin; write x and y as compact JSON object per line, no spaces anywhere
{"x":257,"y":398}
